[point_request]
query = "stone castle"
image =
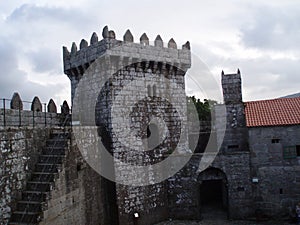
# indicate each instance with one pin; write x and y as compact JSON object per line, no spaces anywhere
{"x":128,"y":155}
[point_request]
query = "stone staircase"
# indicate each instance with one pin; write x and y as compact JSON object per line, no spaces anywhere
{"x":34,"y":197}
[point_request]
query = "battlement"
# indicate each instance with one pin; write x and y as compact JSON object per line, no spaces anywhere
{"x":18,"y":113}
{"x":77,"y":61}
{"x":232,"y":87}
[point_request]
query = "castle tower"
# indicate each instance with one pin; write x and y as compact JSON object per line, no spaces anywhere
{"x":134,"y":94}
{"x":236,"y":132}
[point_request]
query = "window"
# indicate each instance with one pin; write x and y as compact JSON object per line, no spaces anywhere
{"x":298,"y":150}
{"x":233,"y":146}
{"x":289,"y":152}
{"x":275,"y":140}
{"x":154,"y":90}
{"x":149,"y":90}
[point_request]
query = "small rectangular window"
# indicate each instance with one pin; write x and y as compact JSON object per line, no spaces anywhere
{"x":298,"y":150}
{"x":233,"y":146}
{"x":289,"y":152}
{"x":275,"y":140}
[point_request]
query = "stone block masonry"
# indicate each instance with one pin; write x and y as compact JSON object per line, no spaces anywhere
{"x":23,"y":135}
{"x":112,"y":77}
{"x":78,"y":196}
{"x":126,"y":52}
{"x":19,"y":149}
{"x":277,"y":168}
{"x":36,"y":116}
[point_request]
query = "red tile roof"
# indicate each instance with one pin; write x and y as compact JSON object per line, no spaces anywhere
{"x":275,"y":112}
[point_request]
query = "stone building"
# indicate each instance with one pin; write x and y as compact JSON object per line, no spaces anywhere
{"x":256,"y":171}
{"x":129,"y":116}
{"x":274,"y":144}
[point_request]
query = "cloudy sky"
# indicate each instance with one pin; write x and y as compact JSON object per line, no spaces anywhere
{"x":262,"y":39}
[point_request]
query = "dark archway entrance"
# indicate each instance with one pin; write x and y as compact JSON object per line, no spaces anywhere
{"x":213,"y":194}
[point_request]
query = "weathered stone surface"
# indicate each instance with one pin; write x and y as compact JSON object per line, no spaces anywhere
{"x":153,"y":205}
{"x":186,"y":46}
{"x":172,"y":44}
{"x":16,"y":102}
{"x":111,"y":34}
{"x":19,"y":149}
{"x":128,"y":50}
{"x":66,"y":53}
{"x":232,"y":88}
{"x":94,"y":39}
{"x":52,"y":106}
{"x":73,"y":48}
{"x":36,"y":105}
{"x":158,"y":42}
{"x":277,"y":171}
{"x":83,"y":44}
{"x":144,"y":40}
{"x":65,"y":109}
{"x":14,"y":118}
{"x":128,"y":37}
{"x":105,"y":32}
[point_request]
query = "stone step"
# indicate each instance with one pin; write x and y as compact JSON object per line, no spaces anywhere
{"x":59,"y":135}
{"x":37,"y":192}
{"x":42,"y":176}
{"x":55,"y":147}
{"x":20,"y":223}
{"x":54,"y":151}
{"x":42,"y":186}
{"x":47,"y":167}
{"x":25,"y":217}
{"x":31,"y":206}
{"x":28,"y":195}
{"x":54,"y":159}
{"x":56,"y":141}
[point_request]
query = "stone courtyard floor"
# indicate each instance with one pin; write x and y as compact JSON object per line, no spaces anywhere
{"x":213,"y":216}
{"x":223,"y":222}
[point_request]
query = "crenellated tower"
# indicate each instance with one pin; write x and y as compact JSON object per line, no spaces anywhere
{"x":134,"y":93}
{"x":236,"y":131}
{"x":126,"y":52}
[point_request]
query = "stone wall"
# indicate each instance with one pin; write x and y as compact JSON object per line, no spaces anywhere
{"x":277,"y":171}
{"x":20,"y":118}
{"x":23,"y":134}
{"x":184,"y":187}
{"x":78,"y":196}
{"x":19,"y":149}
{"x":236,"y":131}
{"x":36,"y":115}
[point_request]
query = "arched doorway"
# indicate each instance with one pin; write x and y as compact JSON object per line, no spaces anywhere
{"x":213,"y":194}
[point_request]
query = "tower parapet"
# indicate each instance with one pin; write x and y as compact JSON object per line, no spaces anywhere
{"x":30,"y":113}
{"x":232,"y":87}
{"x":77,"y":60}
{"x":236,"y":130}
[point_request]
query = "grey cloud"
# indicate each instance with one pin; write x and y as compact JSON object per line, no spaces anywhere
{"x":268,"y":78}
{"x":273,"y":28}
{"x":34,"y":13}
{"x":13,"y":79}
{"x":46,"y":60}
{"x":263,"y":77}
